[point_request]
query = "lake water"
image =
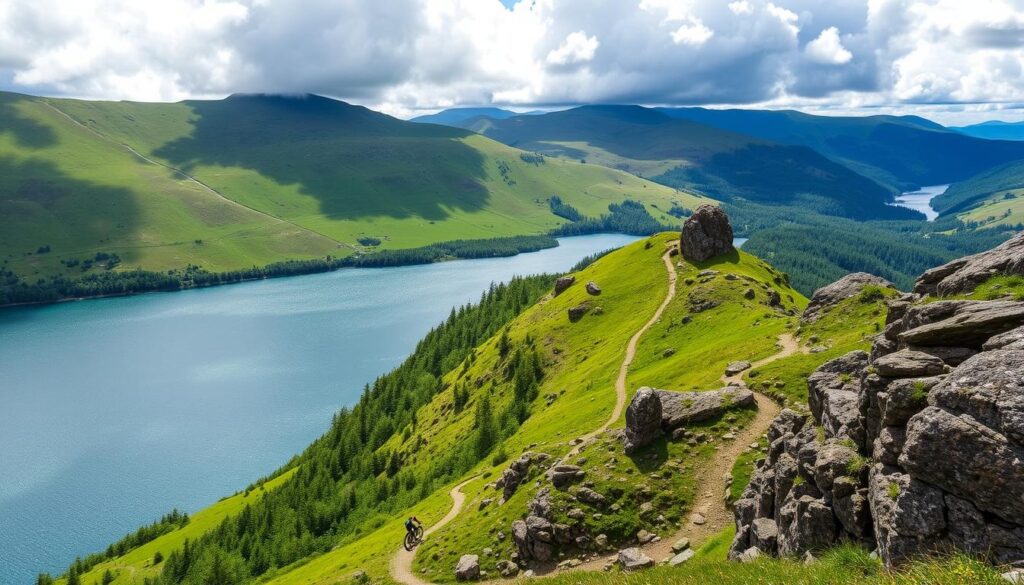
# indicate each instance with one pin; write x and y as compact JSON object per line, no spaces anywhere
{"x":921,"y":200}
{"x":114,"y":411}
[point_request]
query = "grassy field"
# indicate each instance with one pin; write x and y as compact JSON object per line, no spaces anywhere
{"x":251,"y":180}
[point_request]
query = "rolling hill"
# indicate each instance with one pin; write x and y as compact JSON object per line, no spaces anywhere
{"x":725,"y":164}
{"x":254,"y":179}
{"x":901,"y":151}
{"x":456,"y":116}
{"x":993,"y":130}
{"x":992,"y":198}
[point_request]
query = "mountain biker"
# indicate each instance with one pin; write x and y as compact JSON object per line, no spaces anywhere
{"x":412,"y":524}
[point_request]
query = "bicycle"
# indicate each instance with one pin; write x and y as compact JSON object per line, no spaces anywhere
{"x":413,"y":537}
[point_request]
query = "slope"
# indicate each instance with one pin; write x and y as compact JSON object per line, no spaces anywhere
{"x":686,"y":154}
{"x":455,"y":116}
{"x":988,"y":199}
{"x":901,"y":151}
{"x":251,"y":180}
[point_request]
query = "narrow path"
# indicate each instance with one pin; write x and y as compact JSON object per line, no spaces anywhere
{"x":709,"y":500}
{"x":627,"y":360}
{"x":401,"y":564}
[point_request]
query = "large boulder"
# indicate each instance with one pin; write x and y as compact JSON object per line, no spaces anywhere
{"x":468,"y":568}
{"x":682,"y":408}
{"x":964,"y":274}
{"x":706,"y":234}
{"x":831,"y":295}
{"x":909,"y":518}
{"x":643,"y":419}
{"x":563,"y":283}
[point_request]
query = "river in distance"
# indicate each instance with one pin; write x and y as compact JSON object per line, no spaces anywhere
{"x":114,"y":411}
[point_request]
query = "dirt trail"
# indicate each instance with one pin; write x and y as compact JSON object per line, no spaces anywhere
{"x":401,"y":564}
{"x":709,"y":500}
{"x":627,"y":360}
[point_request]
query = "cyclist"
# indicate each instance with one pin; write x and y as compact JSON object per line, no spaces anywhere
{"x":412,"y":524}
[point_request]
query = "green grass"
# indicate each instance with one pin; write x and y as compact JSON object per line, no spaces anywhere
{"x":743,"y":469}
{"x":844,"y":564}
{"x":997,"y":287}
{"x":291,"y":179}
{"x":137,"y":564}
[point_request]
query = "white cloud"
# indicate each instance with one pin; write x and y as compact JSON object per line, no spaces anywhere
{"x":741,"y":7}
{"x":577,"y":48}
{"x":693,"y":33}
{"x":408,"y":55}
{"x":828,"y":49}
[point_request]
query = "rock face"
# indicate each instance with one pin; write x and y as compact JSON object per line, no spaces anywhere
{"x":468,"y":568}
{"x":964,"y":274}
{"x":563,"y":283}
{"x":706,"y":234}
{"x":840,"y":290}
{"x":915,"y":448}
{"x":643,"y":420}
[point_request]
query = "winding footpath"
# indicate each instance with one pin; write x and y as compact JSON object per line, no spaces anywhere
{"x":401,"y":564}
{"x":709,"y":501}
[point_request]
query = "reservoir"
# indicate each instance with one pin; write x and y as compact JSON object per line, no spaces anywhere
{"x":921,"y":200}
{"x":114,"y":411}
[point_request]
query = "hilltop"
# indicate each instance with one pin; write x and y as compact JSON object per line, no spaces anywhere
{"x":106,"y":187}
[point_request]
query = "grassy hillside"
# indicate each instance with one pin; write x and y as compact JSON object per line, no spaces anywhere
{"x":901,"y":151}
{"x":991,"y":198}
{"x":723,"y":164}
{"x":251,"y":180}
{"x":573,"y":396}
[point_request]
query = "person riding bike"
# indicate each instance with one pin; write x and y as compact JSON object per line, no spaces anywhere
{"x":412,"y":524}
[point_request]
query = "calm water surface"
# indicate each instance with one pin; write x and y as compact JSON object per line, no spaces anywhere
{"x":114,"y":411}
{"x":921,"y":200}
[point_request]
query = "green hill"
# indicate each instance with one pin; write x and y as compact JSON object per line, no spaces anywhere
{"x":991,"y":198}
{"x":725,"y":164}
{"x":516,"y":375}
{"x":250,"y":180}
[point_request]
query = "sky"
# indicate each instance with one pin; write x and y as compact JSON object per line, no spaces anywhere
{"x":954,"y":61}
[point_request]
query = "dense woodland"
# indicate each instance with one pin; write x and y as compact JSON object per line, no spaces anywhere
{"x":629,"y":217}
{"x":345,"y":481}
{"x":15,"y":290}
{"x":816,"y":250}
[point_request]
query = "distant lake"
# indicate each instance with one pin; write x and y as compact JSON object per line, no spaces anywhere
{"x":114,"y":411}
{"x":921,"y":200}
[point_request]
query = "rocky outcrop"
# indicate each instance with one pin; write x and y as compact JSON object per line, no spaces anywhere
{"x":840,"y":290}
{"x":516,"y":473}
{"x":652,"y":412}
{"x":643,"y":420}
{"x":964,"y":274}
{"x":681,"y":408}
{"x":915,"y":448}
{"x":468,"y":568}
{"x":563,"y":283}
{"x":706,"y":234}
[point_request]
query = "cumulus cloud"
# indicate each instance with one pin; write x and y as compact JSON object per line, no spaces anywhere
{"x":577,"y":48}
{"x":828,"y":49}
{"x":409,"y":55}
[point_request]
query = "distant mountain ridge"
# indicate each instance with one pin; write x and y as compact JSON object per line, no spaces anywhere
{"x":994,"y":130}
{"x":454,"y":116}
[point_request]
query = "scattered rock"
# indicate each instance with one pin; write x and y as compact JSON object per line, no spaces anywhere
{"x":749,"y":294}
{"x":736,"y":367}
{"x":468,"y":568}
{"x":682,"y":408}
{"x":698,"y":518}
{"x":632,"y":559}
{"x":593,"y":289}
{"x":563,"y":475}
{"x":681,"y":545}
{"x":681,"y":557}
{"x":563,"y":283}
{"x":576,"y":313}
{"x":643,"y":537}
{"x":706,"y":234}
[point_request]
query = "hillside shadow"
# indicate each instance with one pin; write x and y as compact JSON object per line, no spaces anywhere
{"x":354,"y":161}
{"x":35,"y":195}
{"x":26,"y":131}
